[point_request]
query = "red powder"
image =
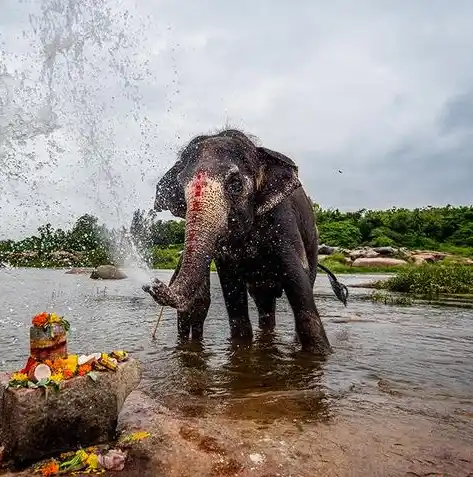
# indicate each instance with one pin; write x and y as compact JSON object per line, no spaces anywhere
{"x":197,"y":187}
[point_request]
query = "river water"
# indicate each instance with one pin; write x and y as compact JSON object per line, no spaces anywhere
{"x":417,"y":357}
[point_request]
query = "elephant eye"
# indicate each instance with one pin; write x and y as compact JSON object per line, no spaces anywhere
{"x":234,"y":184}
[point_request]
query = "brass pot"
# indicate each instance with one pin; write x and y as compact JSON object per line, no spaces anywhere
{"x":49,"y":343}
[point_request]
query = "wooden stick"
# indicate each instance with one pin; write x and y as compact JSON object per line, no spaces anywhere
{"x":159,"y":319}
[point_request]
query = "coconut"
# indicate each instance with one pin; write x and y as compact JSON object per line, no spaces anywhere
{"x":86,"y":359}
{"x":42,"y":372}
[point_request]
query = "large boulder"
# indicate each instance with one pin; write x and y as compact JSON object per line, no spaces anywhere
{"x":35,"y":423}
{"x":386,"y":251}
{"x":107,"y":272}
{"x":365,"y":252}
{"x":325,"y":249}
{"x":427,"y":256}
{"x":378,"y":262}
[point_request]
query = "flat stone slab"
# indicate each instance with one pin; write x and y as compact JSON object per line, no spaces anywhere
{"x":35,"y":424}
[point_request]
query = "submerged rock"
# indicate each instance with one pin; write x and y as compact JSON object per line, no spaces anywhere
{"x":36,"y":423}
{"x":107,"y":272}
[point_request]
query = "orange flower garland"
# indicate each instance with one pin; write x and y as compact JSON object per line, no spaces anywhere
{"x":40,"y":319}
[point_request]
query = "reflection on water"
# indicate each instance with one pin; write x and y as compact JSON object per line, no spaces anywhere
{"x":417,"y":357}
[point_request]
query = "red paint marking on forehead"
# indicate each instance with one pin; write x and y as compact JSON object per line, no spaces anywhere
{"x":198,"y":185}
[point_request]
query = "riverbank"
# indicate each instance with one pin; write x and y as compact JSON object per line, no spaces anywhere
{"x":378,"y":443}
{"x":393,"y":398}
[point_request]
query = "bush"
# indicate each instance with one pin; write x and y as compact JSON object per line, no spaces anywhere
{"x":432,"y":280}
{"x":165,"y":258}
{"x":341,"y":234}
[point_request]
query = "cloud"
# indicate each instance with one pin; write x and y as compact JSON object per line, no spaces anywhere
{"x":379,"y":90}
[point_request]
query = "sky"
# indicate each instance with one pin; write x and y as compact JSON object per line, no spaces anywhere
{"x":98,"y":97}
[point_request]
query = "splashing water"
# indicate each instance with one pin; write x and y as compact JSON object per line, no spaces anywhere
{"x":72,"y":112}
{"x":134,"y":262}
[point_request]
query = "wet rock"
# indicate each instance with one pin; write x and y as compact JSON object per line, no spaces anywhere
{"x":326,"y":249}
{"x":378,"y":262}
{"x":386,"y":251}
{"x":107,"y":272}
{"x":36,"y":424}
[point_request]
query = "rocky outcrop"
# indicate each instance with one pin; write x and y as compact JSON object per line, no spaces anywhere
{"x":65,"y":257}
{"x":107,"y":272}
{"x":378,"y":262}
{"x":36,"y":424}
{"x":373,"y":256}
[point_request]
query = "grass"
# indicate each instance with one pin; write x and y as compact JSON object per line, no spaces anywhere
{"x":390,"y":299}
{"x":431,"y":280}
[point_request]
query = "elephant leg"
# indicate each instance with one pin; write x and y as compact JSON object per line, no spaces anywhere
{"x":299,"y":291}
{"x":235,"y":295}
{"x":265,"y":301}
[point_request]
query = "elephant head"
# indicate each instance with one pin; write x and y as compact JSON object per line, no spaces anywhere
{"x":220,"y":185}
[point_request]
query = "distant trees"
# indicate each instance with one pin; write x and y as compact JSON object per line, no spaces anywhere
{"x":88,"y":241}
{"x":159,"y":241}
{"x":429,"y":227}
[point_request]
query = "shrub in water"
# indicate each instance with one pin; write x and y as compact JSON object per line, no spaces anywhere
{"x":432,"y":280}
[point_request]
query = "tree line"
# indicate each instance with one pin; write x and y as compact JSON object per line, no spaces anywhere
{"x":88,"y":243}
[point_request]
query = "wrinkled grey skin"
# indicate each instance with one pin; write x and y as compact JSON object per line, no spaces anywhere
{"x":252,"y":216}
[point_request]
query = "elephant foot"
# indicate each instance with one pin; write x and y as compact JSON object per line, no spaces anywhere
{"x":163,"y":295}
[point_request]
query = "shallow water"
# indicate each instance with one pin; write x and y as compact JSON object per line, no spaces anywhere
{"x":416,"y":358}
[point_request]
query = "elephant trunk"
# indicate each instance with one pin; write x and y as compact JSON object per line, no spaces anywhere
{"x":206,"y":217}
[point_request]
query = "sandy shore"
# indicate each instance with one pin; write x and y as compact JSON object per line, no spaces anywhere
{"x":381,"y":443}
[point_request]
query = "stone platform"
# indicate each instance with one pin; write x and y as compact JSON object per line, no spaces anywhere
{"x":35,"y":424}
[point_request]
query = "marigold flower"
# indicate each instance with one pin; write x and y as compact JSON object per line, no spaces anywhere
{"x":51,"y":468}
{"x":68,"y":374}
{"x":84,"y":369}
{"x":40,"y":319}
{"x":59,"y":365}
{"x":57,"y":377}
{"x":92,"y":461}
{"x":54,"y":318}
{"x":21,"y":377}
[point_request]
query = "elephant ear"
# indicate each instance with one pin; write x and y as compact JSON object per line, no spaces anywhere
{"x":277,"y":179}
{"x":169,"y":194}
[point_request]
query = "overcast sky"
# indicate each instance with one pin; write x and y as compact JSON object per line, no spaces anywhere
{"x":96,"y":103}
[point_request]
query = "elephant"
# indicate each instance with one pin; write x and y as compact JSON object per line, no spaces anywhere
{"x":246,"y":209}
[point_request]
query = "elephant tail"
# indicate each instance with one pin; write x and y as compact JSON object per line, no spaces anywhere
{"x":340,"y":290}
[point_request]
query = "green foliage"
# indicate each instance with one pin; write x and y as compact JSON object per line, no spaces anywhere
{"x":434,"y":228}
{"x":432,"y":280}
{"x":165,"y":258}
{"x":446,"y":229}
{"x":343,"y":233}
{"x":390,"y":299}
{"x":86,"y":244}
